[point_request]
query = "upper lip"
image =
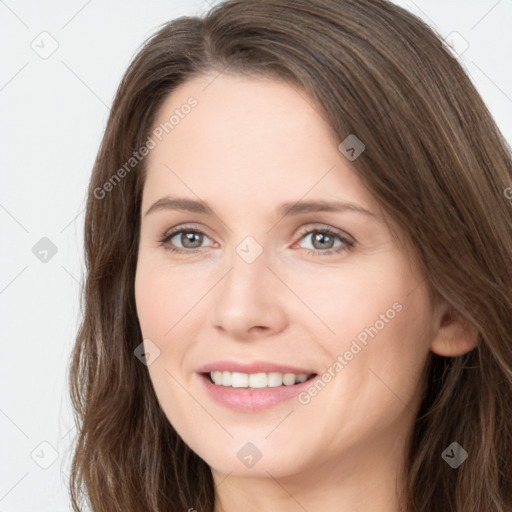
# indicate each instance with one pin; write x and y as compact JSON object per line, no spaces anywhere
{"x":252,"y":367}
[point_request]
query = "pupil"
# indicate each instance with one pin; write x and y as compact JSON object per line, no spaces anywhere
{"x":189,"y":237}
{"x":321,"y":236}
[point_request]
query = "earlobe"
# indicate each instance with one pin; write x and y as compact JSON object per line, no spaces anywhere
{"x":455,"y":335}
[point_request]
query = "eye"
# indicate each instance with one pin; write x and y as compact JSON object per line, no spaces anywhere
{"x":190,"y":238}
{"x":323,"y":240}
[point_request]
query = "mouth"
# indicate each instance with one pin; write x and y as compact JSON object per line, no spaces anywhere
{"x":253,"y":392}
{"x":253,"y":386}
{"x":256,"y":381}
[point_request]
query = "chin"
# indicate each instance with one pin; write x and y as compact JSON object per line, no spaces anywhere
{"x":246,"y":459}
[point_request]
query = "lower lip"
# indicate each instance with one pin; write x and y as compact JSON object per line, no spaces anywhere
{"x":252,"y":400}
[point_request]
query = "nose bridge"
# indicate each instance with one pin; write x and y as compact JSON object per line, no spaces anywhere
{"x":249,"y":272}
{"x":250,"y":250}
{"x":246,"y":297}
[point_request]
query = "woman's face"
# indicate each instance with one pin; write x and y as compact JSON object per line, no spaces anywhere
{"x":263,"y":291}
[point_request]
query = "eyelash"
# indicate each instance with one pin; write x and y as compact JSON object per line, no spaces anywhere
{"x":347,"y":244}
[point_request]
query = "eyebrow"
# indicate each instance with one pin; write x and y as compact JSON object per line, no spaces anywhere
{"x":284,"y":210}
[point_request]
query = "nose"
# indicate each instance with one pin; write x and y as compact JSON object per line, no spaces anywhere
{"x":250,"y":301}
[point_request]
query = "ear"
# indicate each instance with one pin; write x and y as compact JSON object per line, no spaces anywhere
{"x":455,"y":336}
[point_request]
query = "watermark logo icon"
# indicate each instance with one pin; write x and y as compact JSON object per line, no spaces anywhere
{"x":44,"y":250}
{"x":351,"y":147}
{"x":44,"y":455}
{"x":147,"y":352}
{"x":454,"y":455}
{"x":249,"y":249}
{"x":456,"y":42}
{"x":45,"y":45}
{"x":249,"y":455}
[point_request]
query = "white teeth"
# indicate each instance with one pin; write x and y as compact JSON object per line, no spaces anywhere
{"x":274,"y":379}
{"x":216,"y":377}
{"x":226,"y":379}
{"x":288,"y":379}
{"x":238,"y":380}
{"x":256,"y":380}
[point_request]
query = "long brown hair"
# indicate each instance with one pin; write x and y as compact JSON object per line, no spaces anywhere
{"x":434,"y":160}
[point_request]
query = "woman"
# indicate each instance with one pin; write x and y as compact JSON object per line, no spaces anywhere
{"x":248,"y":371}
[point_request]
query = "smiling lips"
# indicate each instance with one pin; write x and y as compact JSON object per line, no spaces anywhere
{"x":251,"y":387}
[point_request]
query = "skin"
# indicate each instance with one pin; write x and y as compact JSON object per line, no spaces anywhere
{"x":249,"y":145}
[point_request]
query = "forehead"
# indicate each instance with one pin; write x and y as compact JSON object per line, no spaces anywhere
{"x":248,"y":138}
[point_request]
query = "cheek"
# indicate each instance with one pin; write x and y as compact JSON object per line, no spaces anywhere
{"x":158,"y":310}
{"x":385,"y":351}
{"x":152,"y":303}
{"x":167,"y":317}
{"x":383,"y":325}
{"x":163,"y":298}
{"x":356,"y":299}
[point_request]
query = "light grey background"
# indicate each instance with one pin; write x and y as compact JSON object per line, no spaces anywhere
{"x":53,"y":112}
